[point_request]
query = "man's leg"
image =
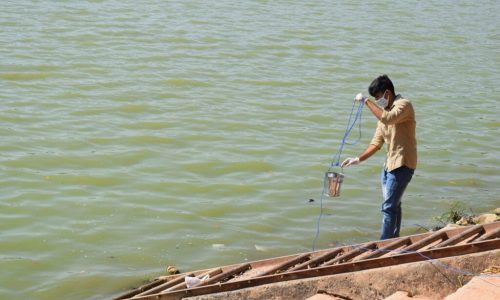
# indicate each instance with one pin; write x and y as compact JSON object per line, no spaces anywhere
{"x":394,"y":184}
{"x":399,"y":217}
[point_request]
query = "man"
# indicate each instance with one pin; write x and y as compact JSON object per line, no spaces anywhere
{"x":396,"y":128}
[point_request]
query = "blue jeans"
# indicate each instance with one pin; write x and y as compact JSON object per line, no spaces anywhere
{"x":393,"y":186}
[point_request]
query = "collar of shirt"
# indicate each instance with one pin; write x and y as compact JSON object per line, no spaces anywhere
{"x":398,"y":96}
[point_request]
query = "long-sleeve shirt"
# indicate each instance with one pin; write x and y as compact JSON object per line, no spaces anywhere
{"x":396,"y":128}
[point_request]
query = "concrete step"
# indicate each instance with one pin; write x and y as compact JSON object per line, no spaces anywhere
{"x":485,"y":287}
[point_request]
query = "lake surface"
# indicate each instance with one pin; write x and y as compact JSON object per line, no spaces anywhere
{"x":137,"y":135}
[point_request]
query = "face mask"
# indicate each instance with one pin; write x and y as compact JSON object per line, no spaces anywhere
{"x":382,"y":101}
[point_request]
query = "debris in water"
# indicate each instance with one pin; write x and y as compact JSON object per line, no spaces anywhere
{"x":218,"y":246}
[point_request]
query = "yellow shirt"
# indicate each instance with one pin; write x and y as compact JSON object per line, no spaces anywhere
{"x":396,"y":128}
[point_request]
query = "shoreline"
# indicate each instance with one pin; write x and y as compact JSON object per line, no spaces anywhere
{"x":408,"y":264}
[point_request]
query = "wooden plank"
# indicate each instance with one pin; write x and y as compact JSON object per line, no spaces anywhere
{"x":331,"y":270}
{"x":163,"y":286}
{"x":489,"y":235}
{"x":287,"y":264}
{"x":318,"y":260}
{"x":140,"y":289}
{"x":424,"y":242}
{"x":388,"y":248}
{"x":491,"y":226}
{"x":353,"y":253}
{"x":226,"y":275}
{"x":460,"y":237}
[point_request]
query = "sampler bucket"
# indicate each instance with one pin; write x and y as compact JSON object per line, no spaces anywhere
{"x":333,"y":181}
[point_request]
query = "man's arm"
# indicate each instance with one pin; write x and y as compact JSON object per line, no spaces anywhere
{"x":398,"y":114}
{"x":377,"y":111}
{"x":370,"y":150}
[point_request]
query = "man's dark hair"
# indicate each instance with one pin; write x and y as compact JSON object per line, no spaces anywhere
{"x":380,"y":84}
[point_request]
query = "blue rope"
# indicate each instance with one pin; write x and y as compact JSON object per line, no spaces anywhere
{"x":349,"y":127}
{"x":336,"y":156}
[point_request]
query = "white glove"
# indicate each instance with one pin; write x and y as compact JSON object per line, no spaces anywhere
{"x":359,"y":97}
{"x":350,"y":162}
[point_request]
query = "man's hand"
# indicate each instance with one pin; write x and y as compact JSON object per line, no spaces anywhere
{"x":359,"y":97}
{"x":350,"y":162}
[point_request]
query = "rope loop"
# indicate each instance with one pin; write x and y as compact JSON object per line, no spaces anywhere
{"x":336,"y":157}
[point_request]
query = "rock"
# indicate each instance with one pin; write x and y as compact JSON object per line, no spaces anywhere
{"x":497,"y":211}
{"x":466,"y":220}
{"x":449,"y":227}
{"x":486,"y":218}
{"x":405,"y":296}
{"x":492,"y":270}
{"x":478,"y":288}
{"x":171,"y":270}
{"x":399,"y":296}
{"x":323,"y":297}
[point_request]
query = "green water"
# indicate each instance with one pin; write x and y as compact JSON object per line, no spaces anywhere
{"x":142,"y":134}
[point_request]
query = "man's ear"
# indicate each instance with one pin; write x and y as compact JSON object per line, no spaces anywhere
{"x":391,"y":94}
